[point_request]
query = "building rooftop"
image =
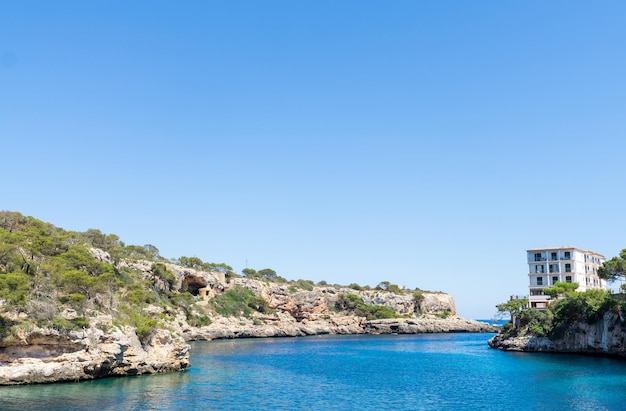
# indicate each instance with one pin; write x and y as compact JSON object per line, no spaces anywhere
{"x":567,"y":247}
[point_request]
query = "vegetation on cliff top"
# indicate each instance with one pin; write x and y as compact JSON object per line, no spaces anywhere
{"x":50,"y":277}
{"x":568,"y":307}
{"x":615,"y":268}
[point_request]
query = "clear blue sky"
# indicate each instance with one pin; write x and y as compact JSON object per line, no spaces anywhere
{"x":424,"y":143}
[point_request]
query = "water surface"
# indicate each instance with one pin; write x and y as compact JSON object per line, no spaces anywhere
{"x":394,"y":372}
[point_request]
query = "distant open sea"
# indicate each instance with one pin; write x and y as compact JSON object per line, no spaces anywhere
{"x":391,"y":372}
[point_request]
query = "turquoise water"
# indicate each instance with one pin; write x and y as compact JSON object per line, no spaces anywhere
{"x":400,"y":372}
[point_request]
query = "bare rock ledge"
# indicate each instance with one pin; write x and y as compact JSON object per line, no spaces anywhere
{"x":286,"y":326}
{"x":44,"y":356}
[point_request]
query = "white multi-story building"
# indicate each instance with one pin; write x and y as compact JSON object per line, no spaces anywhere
{"x":569,"y":264}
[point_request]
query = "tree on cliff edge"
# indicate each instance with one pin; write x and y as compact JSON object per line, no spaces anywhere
{"x":615,"y":268}
{"x":513,"y":307}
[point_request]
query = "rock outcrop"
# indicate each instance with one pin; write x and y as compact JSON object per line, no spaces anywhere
{"x":45,"y":356}
{"x":286,"y":326}
{"x":607,"y":336}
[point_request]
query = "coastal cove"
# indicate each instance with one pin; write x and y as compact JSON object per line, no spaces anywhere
{"x":404,"y":372}
{"x":72,"y":311}
{"x":312,"y":206}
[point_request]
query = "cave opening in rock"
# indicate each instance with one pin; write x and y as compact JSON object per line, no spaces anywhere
{"x":192,"y":284}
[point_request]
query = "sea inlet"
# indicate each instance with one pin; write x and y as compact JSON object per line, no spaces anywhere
{"x":391,"y":372}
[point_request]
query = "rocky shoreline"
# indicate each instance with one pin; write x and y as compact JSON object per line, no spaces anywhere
{"x":226,"y":328}
{"x":605,"y":337}
{"x":102,"y":349}
{"x":46,"y":357}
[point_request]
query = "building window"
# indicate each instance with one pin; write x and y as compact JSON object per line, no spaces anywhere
{"x":539,"y":280}
{"x":568,"y":278}
{"x":555,"y":280}
{"x":568,"y":268}
{"x":537,"y":256}
{"x":553,"y":256}
{"x":568,"y":255}
{"x":554,"y":268}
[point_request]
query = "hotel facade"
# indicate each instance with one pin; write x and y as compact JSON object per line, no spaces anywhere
{"x":547,"y":266}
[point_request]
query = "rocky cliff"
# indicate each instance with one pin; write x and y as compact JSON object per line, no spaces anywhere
{"x":44,"y":356}
{"x":312,"y":312}
{"x":607,"y":336}
{"x":102,"y":349}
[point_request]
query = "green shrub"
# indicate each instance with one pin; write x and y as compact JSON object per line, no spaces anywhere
{"x":538,"y":330}
{"x":305,"y":284}
{"x":348,"y":301}
{"x":588,"y":306}
{"x":76,"y":298}
{"x":354,"y":303}
{"x":239,"y":301}
{"x":198,"y":320}
{"x":443,"y":315}
{"x":14,"y":287}
{"x":5,"y":327}
{"x":139,"y":295}
{"x":394,"y":288}
{"x":182,"y":300}
{"x":144,"y":328}
{"x":258,"y":304}
{"x":535,"y":322}
{"x":375,"y":312}
{"x":143,"y":325}
{"x":233,"y":302}
{"x":161,"y":271}
{"x":507,"y":327}
{"x":62,"y":324}
{"x":418,"y":298}
{"x":81,"y":322}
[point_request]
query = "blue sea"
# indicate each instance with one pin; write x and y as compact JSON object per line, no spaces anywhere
{"x":391,"y":372}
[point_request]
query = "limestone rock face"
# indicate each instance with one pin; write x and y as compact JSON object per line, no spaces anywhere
{"x":101,"y":255}
{"x":45,"y":356}
{"x":437,"y":303}
{"x":425,"y":325}
{"x":277,"y":325}
{"x":302,"y":303}
{"x":607,"y":336}
{"x":298,"y":312}
{"x":283,"y":325}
